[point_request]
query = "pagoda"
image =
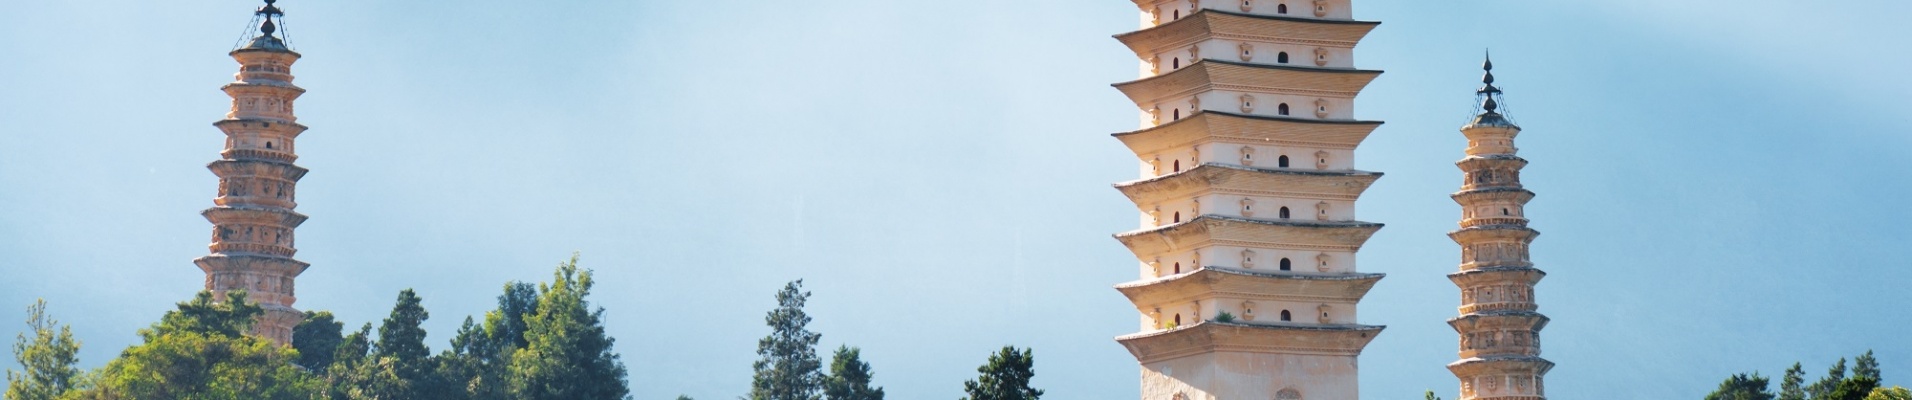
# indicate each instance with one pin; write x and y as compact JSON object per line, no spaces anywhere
{"x":1248,"y":235}
{"x":1498,"y":326}
{"x":252,"y":217}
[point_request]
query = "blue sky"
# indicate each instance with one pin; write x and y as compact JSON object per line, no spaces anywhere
{"x":1719,"y":179}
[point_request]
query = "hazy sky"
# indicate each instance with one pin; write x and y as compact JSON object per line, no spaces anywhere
{"x":1721,"y":181}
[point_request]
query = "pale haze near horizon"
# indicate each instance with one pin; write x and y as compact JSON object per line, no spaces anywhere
{"x":1717,"y":179}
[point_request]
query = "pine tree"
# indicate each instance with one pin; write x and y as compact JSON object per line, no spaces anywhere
{"x":1822,"y":390}
{"x":1005,"y":377}
{"x":1866,"y":366}
{"x":849,"y":377}
{"x":1791,"y":386}
{"x":402,"y":336}
{"x":480,"y":354}
{"x":1854,"y":388}
{"x":1742,"y":387}
{"x":567,"y":354}
{"x":789,"y":368}
{"x":47,"y":359}
{"x":318,"y":338}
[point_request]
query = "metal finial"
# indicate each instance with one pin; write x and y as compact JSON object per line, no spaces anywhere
{"x":1488,"y":78}
{"x":1490,"y":105}
{"x":267,"y":28}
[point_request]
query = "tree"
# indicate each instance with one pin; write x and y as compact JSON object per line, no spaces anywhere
{"x":567,"y":354}
{"x":1431,"y":396}
{"x":480,"y":354}
{"x":1894,"y":393}
{"x":1742,"y":387}
{"x":849,"y":377}
{"x":47,"y":359}
{"x":1854,"y":388}
{"x":1822,"y":390}
{"x":402,"y":336}
{"x":1005,"y":377}
{"x":1790,"y":386}
{"x":1866,"y":366}
{"x":789,"y":368}
{"x":200,"y":351}
{"x":318,"y":338}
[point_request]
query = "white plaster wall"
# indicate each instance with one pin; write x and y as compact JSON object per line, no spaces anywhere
{"x":1251,"y":376}
{"x":1267,"y":104}
{"x":1269,"y":53}
{"x":1336,"y":9}
{"x":1269,"y":260}
{"x":1269,"y":156}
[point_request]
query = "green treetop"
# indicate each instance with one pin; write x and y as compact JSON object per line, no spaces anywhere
{"x":1005,"y":377}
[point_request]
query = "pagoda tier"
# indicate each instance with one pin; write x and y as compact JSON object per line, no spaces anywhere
{"x":1212,"y":282}
{"x":1209,"y":337}
{"x":1248,"y":287}
{"x":1210,"y":24}
{"x":1499,"y":326}
{"x":1211,"y":230}
{"x":253,"y":218}
{"x":1211,"y":74}
{"x":1225,"y":179}
{"x":1223,"y":127}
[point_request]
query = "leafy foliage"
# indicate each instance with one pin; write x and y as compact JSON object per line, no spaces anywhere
{"x":1742,"y":387}
{"x":1431,"y":396}
{"x":47,"y":359}
{"x":789,"y":368}
{"x":1893,"y":393}
{"x":1005,"y":377}
{"x":567,"y":355}
{"x":1791,"y":386}
{"x":1225,"y":317}
{"x":318,"y":338}
{"x":849,"y":377}
{"x":200,"y":351}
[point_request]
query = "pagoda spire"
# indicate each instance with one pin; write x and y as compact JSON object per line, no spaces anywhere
{"x":252,"y":214}
{"x":1498,"y":325}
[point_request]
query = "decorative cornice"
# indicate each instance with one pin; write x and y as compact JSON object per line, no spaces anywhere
{"x":1234,"y":179}
{"x":1212,"y":282}
{"x":1215,"y":24}
{"x":1225,"y":127}
{"x":1208,"y":230}
{"x":1263,"y":338}
{"x":1210,"y":74}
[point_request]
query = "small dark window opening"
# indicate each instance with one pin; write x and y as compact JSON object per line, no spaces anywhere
{"x":1286,"y":316}
{"x":1178,"y":14}
{"x":1504,"y":211}
{"x":1178,"y":319}
{"x":1284,"y":213}
{"x":1178,"y":165}
{"x":1178,"y":219}
{"x":1178,"y":268}
{"x":1281,"y":9}
{"x":1282,"y":162}
{"x":1282,"y":57}
{"x":1178,"y":114}
{"x":1176,"y":63}
{"x":1282,"y":109}
{"x":268,"y":145}
{"x":1287,"y":265}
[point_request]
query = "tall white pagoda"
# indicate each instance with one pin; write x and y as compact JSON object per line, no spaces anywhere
{"x":1247,"y":195}
{"x":1498,"y":326}
{"x":252,"y":216}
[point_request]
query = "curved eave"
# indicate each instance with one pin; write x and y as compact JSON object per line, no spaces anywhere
{"x":1236,"y":179}
{"x":1235,"y":337}
{"x":1526,"y":275}
{"x":1517,"y":194}
{"x":1210,"y":126}
{"x":1208,"y":24}
{"x":1494,"y":232}
{"x":1210,"y":230}
{"x":1499,"y":319}
{"x":1212,"y":282}
{"x":1500,"y":365}
{"x":1209,"y":73}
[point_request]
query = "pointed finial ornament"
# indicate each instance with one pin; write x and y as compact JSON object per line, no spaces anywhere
{"x":1489,"y":99}
{"x":1488,"y":79}
{"x":269,"y":11}
{"x":267,"y":40}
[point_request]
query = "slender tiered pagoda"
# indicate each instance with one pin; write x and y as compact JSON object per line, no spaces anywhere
{"x":1498,"y":326}
{"x":252,"y":216}
{"x":1248,"y":234}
